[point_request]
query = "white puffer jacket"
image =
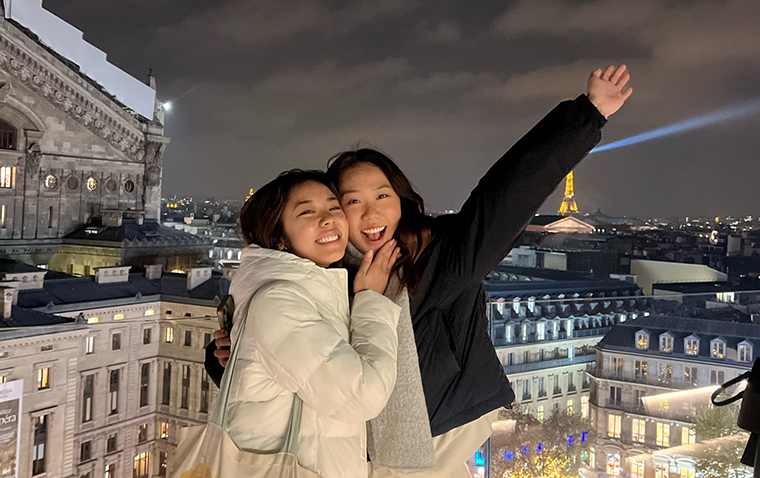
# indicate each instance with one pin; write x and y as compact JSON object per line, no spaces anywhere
{"x":302,"y":338}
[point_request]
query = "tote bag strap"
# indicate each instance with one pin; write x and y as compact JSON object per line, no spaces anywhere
{"x":220,"y":415}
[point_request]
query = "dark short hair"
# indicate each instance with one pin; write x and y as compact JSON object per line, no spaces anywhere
{"x":261,"y":215}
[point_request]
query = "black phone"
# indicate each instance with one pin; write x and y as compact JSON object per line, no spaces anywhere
{"x":224,"y":312}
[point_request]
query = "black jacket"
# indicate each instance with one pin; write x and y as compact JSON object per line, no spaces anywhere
{"x":461,"y":374}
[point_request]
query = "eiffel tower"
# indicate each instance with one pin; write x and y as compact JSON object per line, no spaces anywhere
{"x":568,"y":203}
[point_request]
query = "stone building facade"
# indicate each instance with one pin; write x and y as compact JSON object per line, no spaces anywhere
{"x":70,"y":150}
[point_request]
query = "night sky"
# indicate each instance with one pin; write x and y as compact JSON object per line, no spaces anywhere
{"x":444,"y":87}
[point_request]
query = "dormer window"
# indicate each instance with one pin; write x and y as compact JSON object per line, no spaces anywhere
{"x":744,"y":352}
{"x":508,"y":333}
{"x":666,"y":343}
{"x":691,"y":345}
{"x":642,"y":340}
{"x":718,"y":349}
{"x":541,"y":330}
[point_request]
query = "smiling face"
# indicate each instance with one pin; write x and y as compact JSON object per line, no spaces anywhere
{"x":372,"y":207}
{"x":314,"y":224}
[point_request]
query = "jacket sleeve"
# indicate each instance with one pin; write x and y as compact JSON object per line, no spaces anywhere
{"x":213,"y":368}
{"x":482,"y":233}
{"x":348,"y":380}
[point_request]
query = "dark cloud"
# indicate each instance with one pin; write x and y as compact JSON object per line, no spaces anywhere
{"x":444,"y":87}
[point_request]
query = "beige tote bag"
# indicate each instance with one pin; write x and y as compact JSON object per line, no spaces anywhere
{"x":207,"y":451}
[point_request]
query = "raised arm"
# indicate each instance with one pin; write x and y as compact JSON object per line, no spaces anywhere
{"x":477,"y":238}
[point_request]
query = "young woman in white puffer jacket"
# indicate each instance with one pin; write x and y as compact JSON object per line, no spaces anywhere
{"x":303,"y":335}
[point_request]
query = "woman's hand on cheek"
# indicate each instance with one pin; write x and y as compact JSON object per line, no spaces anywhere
{"x":375,"y":269}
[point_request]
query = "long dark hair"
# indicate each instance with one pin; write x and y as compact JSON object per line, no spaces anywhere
{"x":413,"y":233}
{"x":261,"y":215}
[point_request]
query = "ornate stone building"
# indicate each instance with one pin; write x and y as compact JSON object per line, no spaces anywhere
{"x":81,"y":144}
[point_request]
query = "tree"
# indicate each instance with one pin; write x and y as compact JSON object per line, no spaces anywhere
{"x":549,"y":449}
{"x":720,"y":456}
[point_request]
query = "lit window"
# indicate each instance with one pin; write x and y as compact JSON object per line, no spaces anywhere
{"x":688,"y":436}
{"x":164,"y":430}
{"x":691,"y":345}
{"x":169,"y":335}
{"x":150,"y":312}
{"x":613,"y":464}
{"x":663,"y":434}
{"x":637,"y":469}
{"x":211,"y":254}
{"x":92,"y":184}
{"x":51,"y":182}
{"x":118,"y":317}
{"x":43,"y":378}
{"x":745,"y":352}
{"x":638,"y":430}
{"x":666,"y":343}
{"x":640,"y":369}
{"x":661,"y":470}
{"x":229,"y":255}
{"x":141,"y":465}
{"x":570,"y":404}
{"x":540,"y":413}
{"x":89,"y":345}
{"x":92,"y":320}
{"x":718,"y":349}
{"x":687,"y":472}
{"x":642,"y":341}
{"x":584,"y":407}
{"x":7,"y":174}
{"x":613,"y":426}
{"x":110,"y":471}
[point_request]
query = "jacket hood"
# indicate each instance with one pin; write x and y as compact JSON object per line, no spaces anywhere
{"x":259,"y":266}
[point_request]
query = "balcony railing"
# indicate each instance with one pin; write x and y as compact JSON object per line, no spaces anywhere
{"x":648,"y":379}
{"x":532,"y":337}
{"x":638,"y":408}
{"x":530,"y":366}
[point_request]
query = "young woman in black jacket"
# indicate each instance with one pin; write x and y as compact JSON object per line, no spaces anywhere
{"x":445,"y":259}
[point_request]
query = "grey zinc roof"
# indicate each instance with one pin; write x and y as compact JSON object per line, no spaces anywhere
{"x":84,"y":289}
{"x":623,"y":335}
{"x":130,"y":230}
{"x":21,"y":317}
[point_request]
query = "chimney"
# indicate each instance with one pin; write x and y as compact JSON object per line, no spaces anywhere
{"x":26,"y":280}
{"x":109,"y":275}
{"x":153,"y":271}
{"x":229,"y":272}
{"x":7,"y":298}
{"x":197,"y":276}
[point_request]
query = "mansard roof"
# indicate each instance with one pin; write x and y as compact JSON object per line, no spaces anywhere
{"x":56,"y":294}
{"x":132,"y":232}
{"x":623,"y":335}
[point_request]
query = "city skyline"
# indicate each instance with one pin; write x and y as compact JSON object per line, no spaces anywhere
{"x":258,"y":87}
